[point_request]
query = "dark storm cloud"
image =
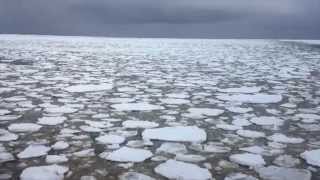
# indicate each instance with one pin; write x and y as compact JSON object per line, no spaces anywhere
{"x":163,"y":18}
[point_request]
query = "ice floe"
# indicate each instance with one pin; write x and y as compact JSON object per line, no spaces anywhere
{"x":51,"y":172}
{"x":126,"y":154}
{"x":7,"y":136}
{"x":88,"y":88}
{"x":34,"y":150}
{"x":110,"y":139}
{"x":283,"y":173}
{"x":51,"y":121}
{"x":24,"y":127}
{"x":312,"y":157}
{"x":135,"y":176}
{"x":173,"y":169}
{"x":281,"y":138}
{"x":136,"y":107}
{"x":178,"y":133}
{"x":256,"y":98}
{"x":248,"y":159}
{"x":139,"y":124}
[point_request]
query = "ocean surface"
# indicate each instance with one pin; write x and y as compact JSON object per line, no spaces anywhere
{"x":127,"y":108}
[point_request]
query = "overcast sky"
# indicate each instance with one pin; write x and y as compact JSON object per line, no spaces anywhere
{"x":163,"y":18}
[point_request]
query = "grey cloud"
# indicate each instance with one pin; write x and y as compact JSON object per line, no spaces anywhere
{"x":165,"y":18}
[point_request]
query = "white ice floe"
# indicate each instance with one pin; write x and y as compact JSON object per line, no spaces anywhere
{"x":175,"y":101}
{"x":90,"y":129}
{"x":239,"y":109}
{"x":51,"y":121}
{"x":6,"y":157}
{"x":248,"y":159}
{"x":241,"y":90}
{"x":136,"y":107}
{"x":4,"y":112}
{"x":99,"y":124}
{"x":281,"y":138}
{"x":51,"y":172}
{"x":173,"y":169}
{"x":88,"y":88}
{"x":60,"y":110}
{"x":256,"y":98}
{"x":283,"y":173}
{"x":134,"y":176}
{"x":202,"y":112}
{"x":267,"y":120}
{"x":7,"y":136}
{"x":84,"y":153}
{"x":139,"y":124}
{"x":34,"y":150}
{"x":251,"y":133}
{"x":190,"y":157}
{"x":60,"y":145}
{"x":126,"y":154}
{"x":241,"y":122}
{"x":239,"y":176}
{"x":110,"y":139}
{"x":228,"y":127}
{"x":55,"y":159}
{"x":286,"y":161}
{"x":312,"y":157}
{"x":178,"y":133}
{"x":173,"y":148}
{"x":24,"y":127}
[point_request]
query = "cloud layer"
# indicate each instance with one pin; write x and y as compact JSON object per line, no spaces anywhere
{"x":165,"y":18}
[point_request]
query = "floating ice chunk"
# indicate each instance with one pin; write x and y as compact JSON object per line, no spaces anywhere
{"x":87,"y":178}
{"x":7,"y":136}
{"x":239,"y":109}
{"x":90,"y":129}
{"x":51,"y":172}
{"x":139,"y":124}
{"x":60,"y":110}
{"x":9,"y":117}
{"x":256,"y":98}
{"x":134,"y":176}
{"x":285,"y":139}
{"x":5,"y":157}
{"x":267,"y":120}
{"x":175,"y":101}
{"x":51,"y":121}
{"x":4,"y":112}
{"x":178,"y":95}
{"x":88,"y":88}
{"x":251,"y":133}
{"x":283,"y":173}
{"x":240,"y":176}
{"x":55,"y":159}
{"x":190,"y":157}
{"x":60,"y":145}
{"x":241,"y":90}
{"x":202,"y":112}
{"x":34,"y":150}
{"x":248,"y":159}
{"x":178,"y":133}
{"x":24,"y":127}
{"x":228,"y":127}
{"x":173,"y":148}
{"x":98,"y":124}
{"x":84,"y":153}
{"x":173,"y":169}
{"x":126,"y":154}
{"x":136,"y":107}
{"x":110,"y":139}
{"x":312,"y":157}
{"x":241,"y":122}
{"x":286,"y":161}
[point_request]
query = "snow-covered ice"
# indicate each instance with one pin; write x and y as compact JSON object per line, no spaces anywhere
{"x":248,"y":159}
{"x":139,"y":124}
{"x":126,"y":154}
{"x":34,"y":150}
{"x":173,"y":169}
{"x":178,"y":133}
{"x":24,"y":127}
{"x":51,"y":172}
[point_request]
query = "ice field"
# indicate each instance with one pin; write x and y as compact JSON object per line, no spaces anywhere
{"x":143,"y":109}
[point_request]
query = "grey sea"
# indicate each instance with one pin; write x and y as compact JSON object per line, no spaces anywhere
{"x":87,"y":108}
